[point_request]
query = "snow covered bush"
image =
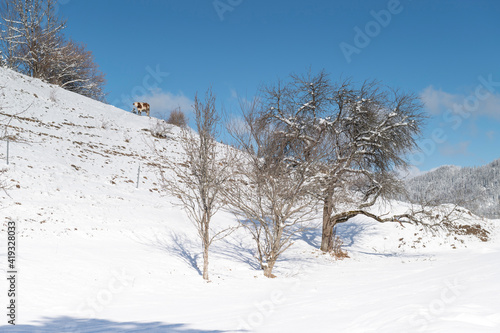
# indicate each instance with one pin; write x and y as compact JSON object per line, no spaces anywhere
{"x":160,"y":129}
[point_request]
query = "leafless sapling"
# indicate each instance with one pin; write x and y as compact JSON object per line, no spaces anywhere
{"x":197,"y":179}
{"x":270,"y":192}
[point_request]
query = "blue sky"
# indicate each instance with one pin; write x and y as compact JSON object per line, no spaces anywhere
{"x":448,"y":51}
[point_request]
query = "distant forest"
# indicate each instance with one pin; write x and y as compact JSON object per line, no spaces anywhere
{"x":477,"y":188}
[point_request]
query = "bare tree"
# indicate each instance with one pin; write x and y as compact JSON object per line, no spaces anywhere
{"x":31,"y":35}
{"x":198,"y":179}
{"x":33,"y":43}
{"x":270,"y":193}
{"x":373,"y":129}
{"x":77,"y":71}
{"x":363,"y":132}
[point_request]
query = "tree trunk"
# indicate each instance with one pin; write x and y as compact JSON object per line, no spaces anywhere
{"x":268,"y":269}
{"x":328,"y":233}
{"x":206,"y":244}
{"x":328,"y":224}
{"x":272,"y":256}
{"x":205,"y":262}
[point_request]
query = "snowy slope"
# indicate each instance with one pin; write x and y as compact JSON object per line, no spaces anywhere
{"x":479,"y":186}
{"x":97,"y":254}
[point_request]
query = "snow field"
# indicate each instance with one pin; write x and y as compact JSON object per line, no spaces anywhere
{"x":98,"y":254}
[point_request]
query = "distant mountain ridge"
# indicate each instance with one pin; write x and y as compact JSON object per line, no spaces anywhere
{"x":478,"y":187}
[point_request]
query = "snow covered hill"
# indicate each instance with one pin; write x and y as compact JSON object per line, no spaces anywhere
{"x":479,"y":187}
{"x":98,"y":252}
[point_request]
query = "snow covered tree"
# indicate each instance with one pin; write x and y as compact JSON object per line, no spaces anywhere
{"x":31,"y":35}
{"x":370,"y":132}
{"x":477,"y":189}
{"x":197,"y":181}
{"x":363,"y":134}
{"x":77,"y":71}
{"x":32,"y":43}
{"x":271,"y":192}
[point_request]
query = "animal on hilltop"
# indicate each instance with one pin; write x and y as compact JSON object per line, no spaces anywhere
{"x":141,"y":107}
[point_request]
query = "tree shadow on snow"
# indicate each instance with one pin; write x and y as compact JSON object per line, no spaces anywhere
{"x":311,"y":237}
{"x":180,"y":246}
{"x":236,"y":250}
{"x":76,"y":325}
{"x":349,"y":231}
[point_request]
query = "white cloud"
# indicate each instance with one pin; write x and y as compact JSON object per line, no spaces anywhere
{"x":409,"y":173}
{"x":492,"y":106}
{"x":479,"y":102}
{"x":491,"y":135}
{"x":436,"y":101}
{"x":162,"y":102}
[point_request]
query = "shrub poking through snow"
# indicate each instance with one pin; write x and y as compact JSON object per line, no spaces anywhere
{"x":160,"y":129}
{"x":337,"y":252}
{"x":177,"y":118}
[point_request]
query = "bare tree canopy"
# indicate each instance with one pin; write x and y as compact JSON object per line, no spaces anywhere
{"x":31,"y":35}
{"x":364,"y":132}
{"x":32,"y":42}
{"x":77,"y":71}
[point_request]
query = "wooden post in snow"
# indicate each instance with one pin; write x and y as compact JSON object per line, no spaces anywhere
{"x":138,"y":175}
{"x":8,"y":143}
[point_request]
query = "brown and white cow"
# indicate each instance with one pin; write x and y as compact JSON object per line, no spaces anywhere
{"x":141,"y":107}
